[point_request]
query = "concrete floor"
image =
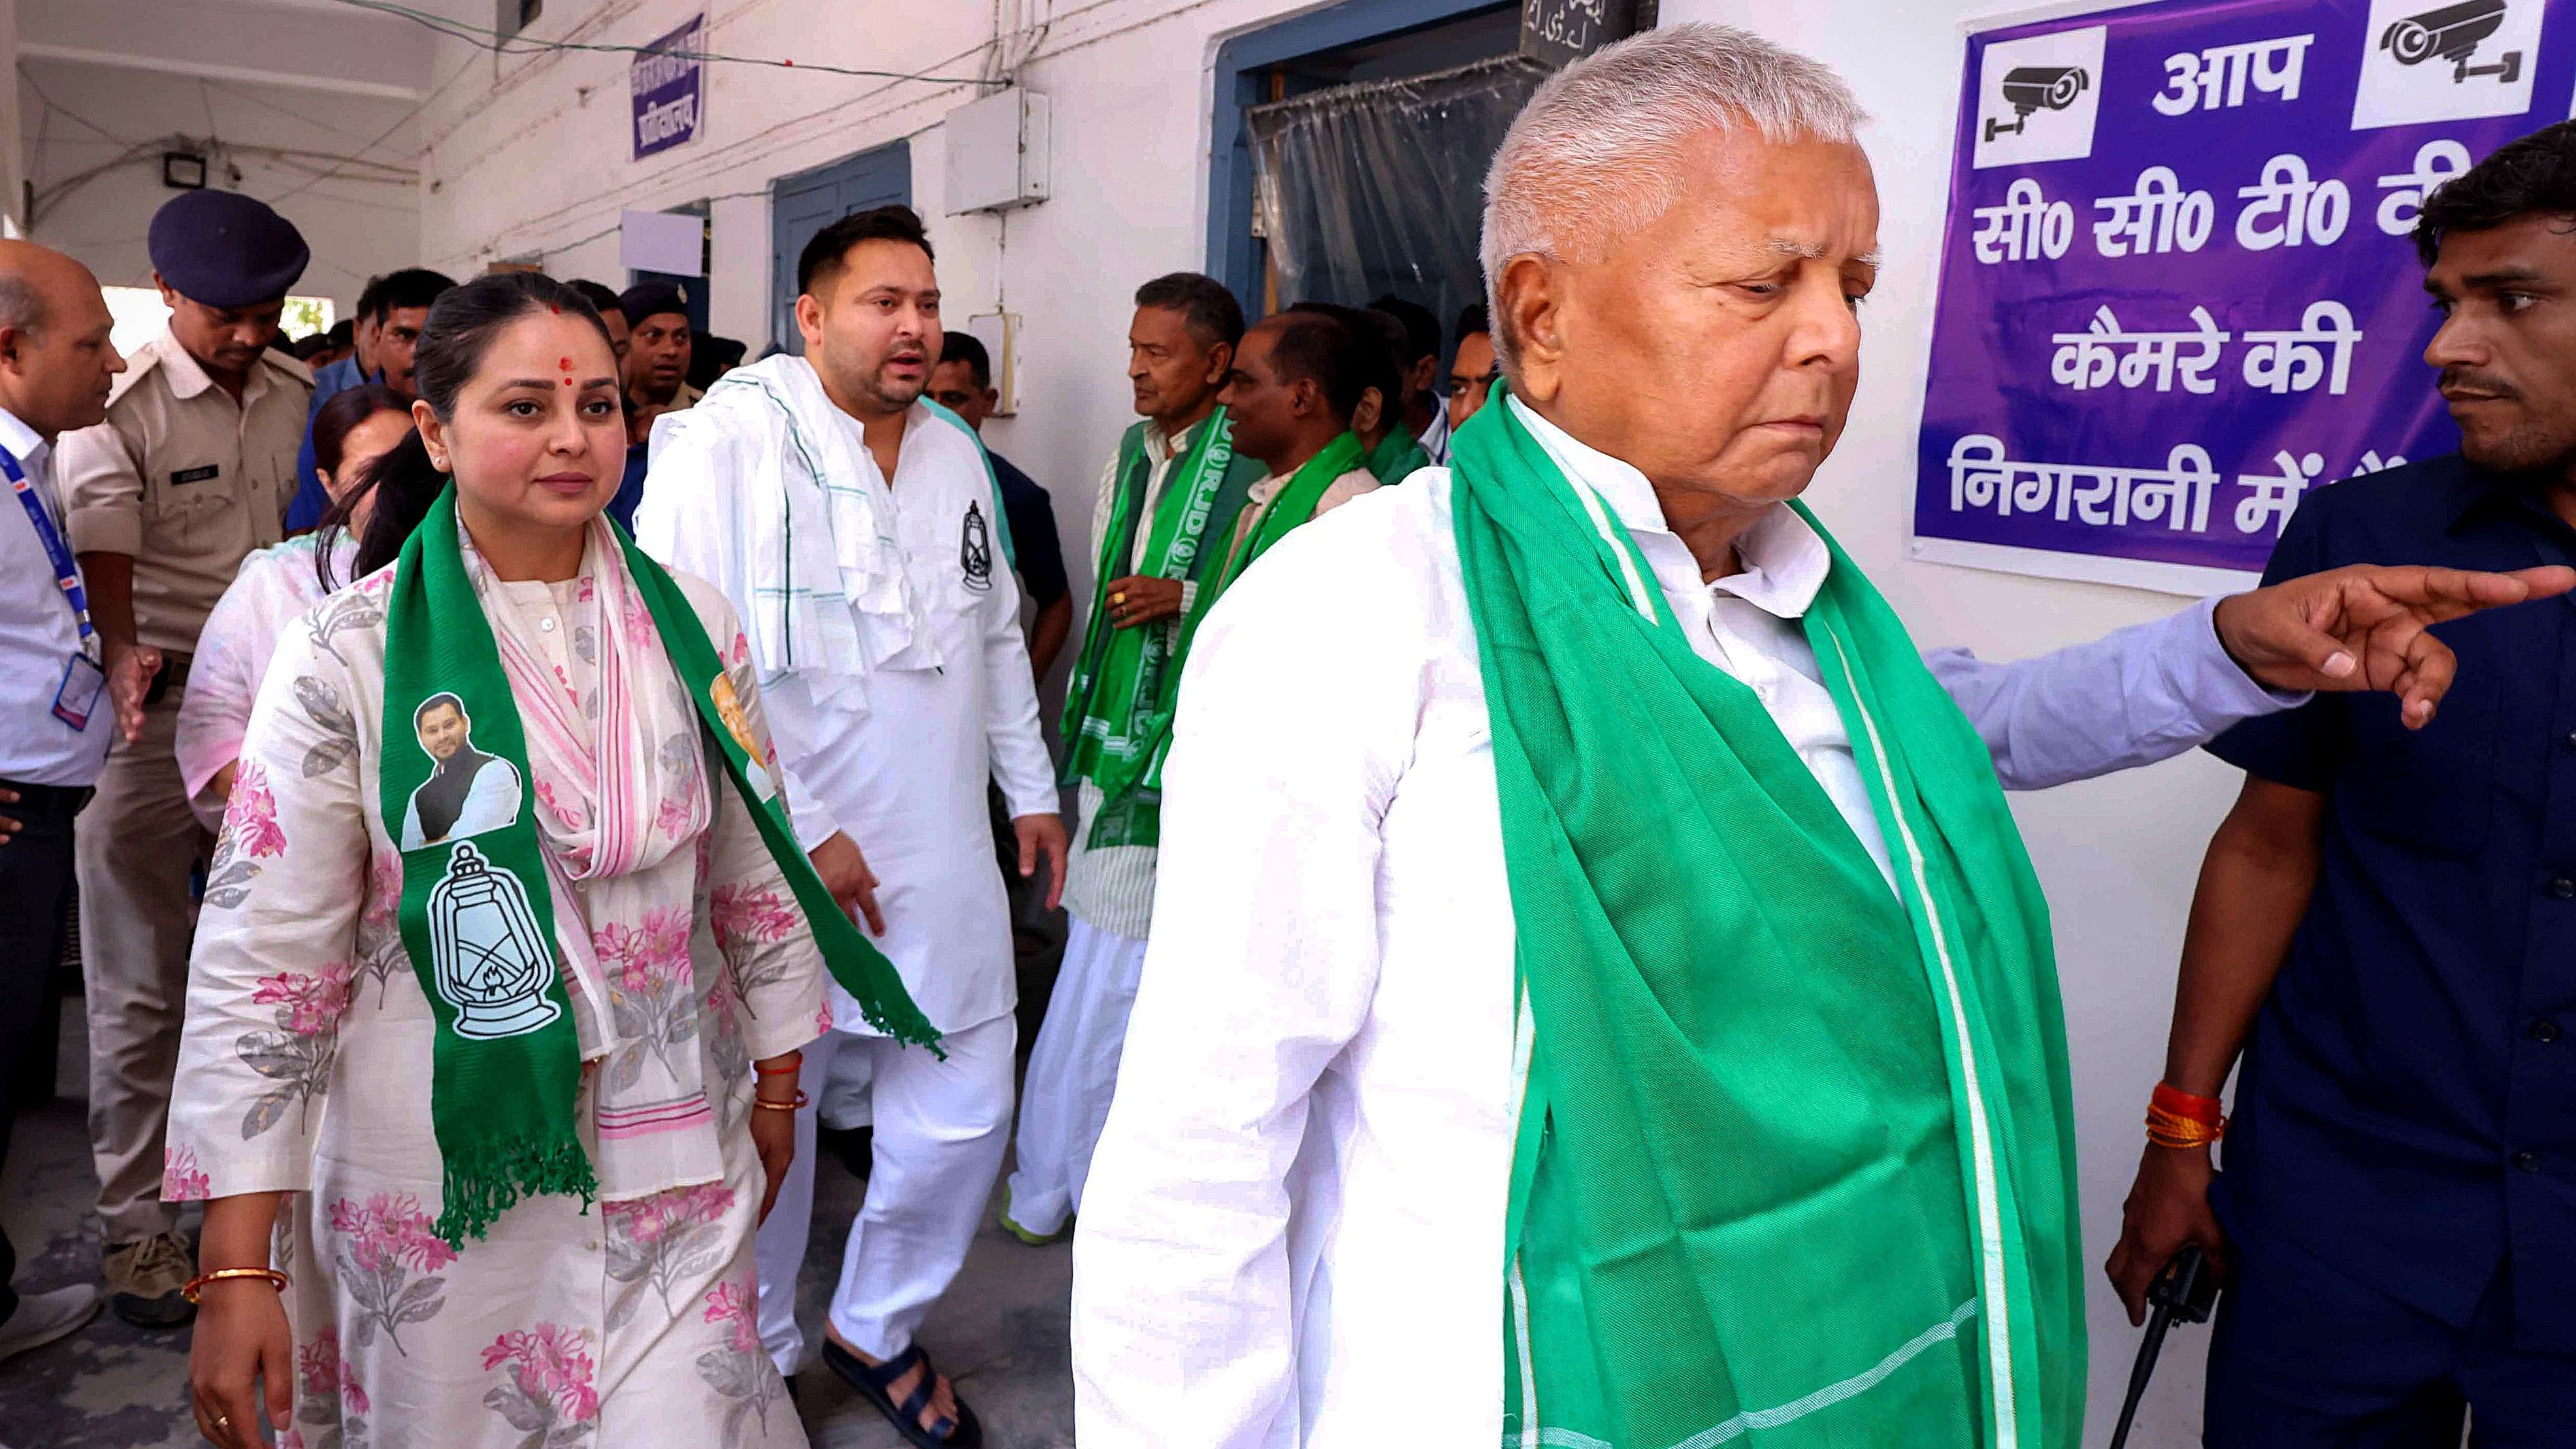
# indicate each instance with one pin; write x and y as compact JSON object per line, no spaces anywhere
{"x":1001,"y":1331}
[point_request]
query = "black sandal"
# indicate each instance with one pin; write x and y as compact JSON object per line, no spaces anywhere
{"x":874,"y":1384}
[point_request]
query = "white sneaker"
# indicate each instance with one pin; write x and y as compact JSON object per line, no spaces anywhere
{"x":43,"y":1317}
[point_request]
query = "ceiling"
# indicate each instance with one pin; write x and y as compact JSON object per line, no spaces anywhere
{"x":320,"y":45}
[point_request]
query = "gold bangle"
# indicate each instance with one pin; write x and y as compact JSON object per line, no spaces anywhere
{"x":2172,"y":1129}
{"x":276,"y":1279}
{"x":765,"y":1103}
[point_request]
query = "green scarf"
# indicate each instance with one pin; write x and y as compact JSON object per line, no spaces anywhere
{"x":1795,"y":1158}
{"x":1290,"y":508}
{"x":1135,"y":816}
{"x":1119,"y":709}
{"x":477,"y":915}
{"x":1398,"y":456}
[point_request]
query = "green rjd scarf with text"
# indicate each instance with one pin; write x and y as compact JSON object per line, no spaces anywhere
{"x":1119,"y":709}
{"x":1795,"y":1159}
{"x":1133,"y":814}
{"x":477,"y":915}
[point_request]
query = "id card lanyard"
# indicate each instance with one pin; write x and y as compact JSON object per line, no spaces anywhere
{"x":66,"y":572}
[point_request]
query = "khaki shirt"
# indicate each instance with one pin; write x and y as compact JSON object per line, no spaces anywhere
{"x":184,"y":480}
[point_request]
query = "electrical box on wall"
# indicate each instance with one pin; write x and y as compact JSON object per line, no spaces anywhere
{"x":997,"y":152}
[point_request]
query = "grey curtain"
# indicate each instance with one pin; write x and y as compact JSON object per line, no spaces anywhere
{"x":1379,"y":187}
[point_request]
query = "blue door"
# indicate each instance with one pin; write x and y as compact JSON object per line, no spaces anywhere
{"x":809,"y":201}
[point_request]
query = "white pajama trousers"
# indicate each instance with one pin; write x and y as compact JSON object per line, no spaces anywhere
{"x":940,"y":1131}
{"x":1073,"y":1073}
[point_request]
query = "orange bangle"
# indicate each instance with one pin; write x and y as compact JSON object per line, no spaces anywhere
{"x":801,"y":1100}
{"x":2179,"y":1119}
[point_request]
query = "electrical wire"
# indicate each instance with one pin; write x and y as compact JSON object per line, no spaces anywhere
{"x":405,"y":119}
{"x":485,"y":38}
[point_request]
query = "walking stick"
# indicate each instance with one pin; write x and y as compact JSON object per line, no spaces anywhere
{"x":2185,"y":1290}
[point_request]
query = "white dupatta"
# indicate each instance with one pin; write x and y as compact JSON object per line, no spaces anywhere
{"x":766,"y":462}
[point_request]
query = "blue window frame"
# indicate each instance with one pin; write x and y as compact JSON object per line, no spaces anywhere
{"x":1355,"y":40}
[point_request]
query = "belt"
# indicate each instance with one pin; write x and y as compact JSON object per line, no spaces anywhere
{"x":39,"y":803}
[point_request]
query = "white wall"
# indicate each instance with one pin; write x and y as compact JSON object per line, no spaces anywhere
{"x":355,"y":227}
{"x":537,"y":167}
{"x":540,"y":169}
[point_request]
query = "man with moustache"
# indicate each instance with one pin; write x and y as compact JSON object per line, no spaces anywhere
{"x":2386,"y":931}
{"x":656,"y":359}
{"x":391,"y":311}
{"x":61,"y":711}
{"x":190,"y":472}
{"x":1598,"y":995}
{"x":1297,"y":381}
{"x":855,"y":526}
{"x":1159,"y":525}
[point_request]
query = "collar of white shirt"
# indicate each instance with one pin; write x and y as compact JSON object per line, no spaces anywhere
{"x":1161,"y":447}
{"x":1784,"y":559}
{"x":23,"y":444}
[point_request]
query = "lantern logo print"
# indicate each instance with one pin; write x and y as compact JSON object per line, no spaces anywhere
{"x":491,"y":962}
{"x":975,"y":550}
{"x":468,"y":792}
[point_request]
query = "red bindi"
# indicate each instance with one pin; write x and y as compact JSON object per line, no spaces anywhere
{"x":564,"y":362}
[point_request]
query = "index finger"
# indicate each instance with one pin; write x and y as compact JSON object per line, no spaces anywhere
{"x":2446,"y":593}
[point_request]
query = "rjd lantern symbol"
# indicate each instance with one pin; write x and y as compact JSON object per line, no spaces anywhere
{"x":491,"y":961}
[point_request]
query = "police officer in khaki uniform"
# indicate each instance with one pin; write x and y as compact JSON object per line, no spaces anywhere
{"x":658,"y":348}
{"x":191,"y":471}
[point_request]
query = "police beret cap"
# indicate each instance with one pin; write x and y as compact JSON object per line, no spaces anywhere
{"x":644,"y":299}
{"x":224,"y":249}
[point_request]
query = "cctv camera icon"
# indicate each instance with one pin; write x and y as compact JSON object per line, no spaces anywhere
{"x":2037,"y":87}
{"x":2452,"y":33}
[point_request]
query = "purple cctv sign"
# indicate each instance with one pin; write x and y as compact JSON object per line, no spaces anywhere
{"x":668,"y":81}
{"x":2177,"y":286}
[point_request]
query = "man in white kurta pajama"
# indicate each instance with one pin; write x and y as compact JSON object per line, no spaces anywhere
{"x":889,"y":741}
{"x":1296,"y":1225}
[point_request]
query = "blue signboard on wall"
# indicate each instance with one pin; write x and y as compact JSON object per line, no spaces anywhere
{"x":2179,"y":287}
{"x":668,"y":80}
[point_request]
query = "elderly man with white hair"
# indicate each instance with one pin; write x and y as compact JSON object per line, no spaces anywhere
{"x":1597,"y":995}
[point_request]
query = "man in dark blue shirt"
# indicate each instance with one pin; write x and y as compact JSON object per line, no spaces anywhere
{"x":391,"y":311}
{"x":2386,"y":927}
{"x":962,"y":382}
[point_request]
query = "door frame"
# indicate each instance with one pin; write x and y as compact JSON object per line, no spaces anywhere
{"x":1233,"y":256}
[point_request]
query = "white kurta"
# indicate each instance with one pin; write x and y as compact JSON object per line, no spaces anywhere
{"x":306,"y":1068}
{"x":1293,"y":1229}
{"x":900,"y":766}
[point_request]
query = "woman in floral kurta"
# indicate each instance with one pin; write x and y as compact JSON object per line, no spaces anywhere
{"x":306,"y":1066}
